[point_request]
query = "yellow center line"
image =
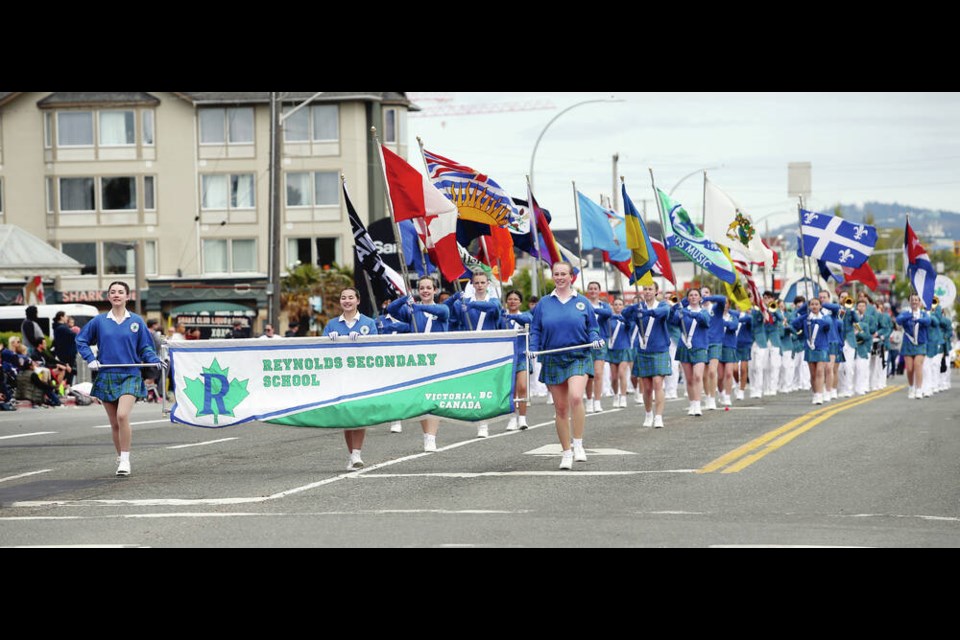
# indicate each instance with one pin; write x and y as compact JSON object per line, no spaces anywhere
{"x":748,"y":453}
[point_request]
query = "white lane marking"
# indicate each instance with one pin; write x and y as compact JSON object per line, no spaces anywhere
{"x":106,"y":426}
{"x":77,"y":546}
{"x":200,"y":444}
{"x":676,"y":513}
{"x":556,"y":450}
{"x":242,"y":514}
{"x":494,"y":474}
{"x":24,"y":475}
{"x":24,"y":435}
{"x":786,"y":546}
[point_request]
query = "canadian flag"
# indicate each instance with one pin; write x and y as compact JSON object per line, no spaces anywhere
{"x":413,"y":197}
{"x":33,"y":291}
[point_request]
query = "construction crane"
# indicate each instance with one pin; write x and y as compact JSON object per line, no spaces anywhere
{"x":444,"y":105}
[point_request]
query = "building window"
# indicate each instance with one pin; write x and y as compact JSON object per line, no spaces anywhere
{"x":83,"y":252}
{"x":229,"y":256}
{"x":47,"y":129}
{"x":76,"y":194}
{"x":226,"y":126}
{"x":149,"y":193}
{"x":117,"y":128}
{"x":319,"y":123}
{"x":119,"y":258}
{"x":316,"y":251}
{"x":150,"y":258}
{"x":118,"y":194}
{"x":75,"y":129}
{"x":390,"y":126}
{"x":148,"y":128}
{"x":228,"y":191}
{"x":319,"y":188}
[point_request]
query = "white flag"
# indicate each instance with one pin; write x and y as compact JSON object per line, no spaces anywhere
{"x":725,"y":222}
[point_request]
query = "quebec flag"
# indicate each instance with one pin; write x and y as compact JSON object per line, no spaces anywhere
{"x":833,"y":239}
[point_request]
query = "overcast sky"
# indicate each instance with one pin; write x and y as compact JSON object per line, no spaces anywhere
{"x":886,"y":147}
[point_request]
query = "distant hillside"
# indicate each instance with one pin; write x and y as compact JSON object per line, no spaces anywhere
{"x":936,"y":228}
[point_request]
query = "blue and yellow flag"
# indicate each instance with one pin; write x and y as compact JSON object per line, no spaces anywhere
{"x":681,"y":233}
{"x":643,"y":257}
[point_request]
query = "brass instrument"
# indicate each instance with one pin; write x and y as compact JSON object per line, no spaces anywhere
{"x":856,"y":330}
{"x":847,"y":302}
{"x":772,"y":306}
{"x":674,"y":298}
{"x":935,"y":303}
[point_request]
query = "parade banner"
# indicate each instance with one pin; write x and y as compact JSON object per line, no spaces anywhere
{"x":318,"y":382}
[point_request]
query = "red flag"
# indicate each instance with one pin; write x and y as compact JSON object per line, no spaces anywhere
{"x":499,"y":244}
{"x":663,"y":266}
{"x":864,"y":273}
{"x":740,"y":264}
{"x":414,"y":197}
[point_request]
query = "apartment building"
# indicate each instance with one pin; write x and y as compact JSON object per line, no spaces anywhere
{"x":179,"y":185}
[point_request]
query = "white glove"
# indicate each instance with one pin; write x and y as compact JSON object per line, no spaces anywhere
{"x":598,"y":344}
{"x":354,"y":335}
{"x":163,"y":365}
{"x":93,"y":366}
{"x":333,"y":335}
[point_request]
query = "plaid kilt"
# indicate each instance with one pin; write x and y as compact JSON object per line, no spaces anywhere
{"x":690,"y":355}
{"x":519,"y":361}
{"x":743,"y":354}
{"x":616,"y":356}
{"x":910,"y":349}
{"x":728,"y":355}
{"x":714,"y":351}
{"x":649,"y":364}
{"x":557,"y":368}
{"x":110,"y":385}
{"x":815,"y":355}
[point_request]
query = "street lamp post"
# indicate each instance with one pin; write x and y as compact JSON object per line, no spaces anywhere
{"x":690,"y":175}
{"x":533,"y":155}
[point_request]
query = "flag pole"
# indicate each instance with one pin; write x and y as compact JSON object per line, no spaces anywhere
{"x":808,"y":289}
{"x":663,"y":235}
{"x":395,"y":227}
{"x":576,"y":211}
{"x":535,"y":280}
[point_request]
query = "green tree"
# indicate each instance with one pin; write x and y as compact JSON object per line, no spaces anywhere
{"x":306,"y":281}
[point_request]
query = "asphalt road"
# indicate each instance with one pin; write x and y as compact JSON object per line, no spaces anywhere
{"x":871,"y":471}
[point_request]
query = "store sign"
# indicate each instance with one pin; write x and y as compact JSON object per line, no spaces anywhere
{"x":91,"y":295}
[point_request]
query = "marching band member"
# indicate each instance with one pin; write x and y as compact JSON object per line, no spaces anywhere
{"x":787,"y":364}
{"x":565,"y":318}
{"x":694,"y":323}
{"x":121,"y":337}
{"x":514,"y":318}
{"x":931,"y":363}
{"x":816,"y":331}
{"x":715,"y":306}
{"x":652,"y":363}
{"x":672,"y":381}
{"x":619,"y":353}
{"x":353,"y":324}
{"x":771,"y":375}
{"x":759,"y":353}
{"x":477,"y":313}
{"x":878,"y":368}
{"x":915,"y":322}
{"x":744,"y":347}
{"x":834,"y":349}
{"x":729,"y":360}
{"x":425,"y":317}
{"x":946,"y":327}
{"x":603,"y":312}
{"x":863,"y":339}
{"x":802,"y":372}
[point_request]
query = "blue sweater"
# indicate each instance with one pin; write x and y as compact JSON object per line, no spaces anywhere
{"x":715,"y":333}
{"x":557,"y":324}
{"x":126,"y":343}
{"x":623,"y":333}
{"x":807,"y":322}
{"x":423,"y":318}
{"x":603,"y":312}
{"x":745,"y":336}
{"x":685,"y":319}
{"x":906,"y":320}
{"x":515,"y":321}
{"x":362,"y":324}
{"x":730,"y":329}
{"x":387,"y":324}
{"x":474,"y":315}
{"x":659,"y":339}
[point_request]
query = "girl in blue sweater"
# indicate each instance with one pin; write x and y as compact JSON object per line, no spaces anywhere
{"x":729,"y":360}
{"x":816,"y":327}
{"x":425,"y":317}
{"x":694,"y":322}
{"x":603,"y":311}
{"x":353,"y":324}
{"x":121,"y":337}
{"x":566,"y":319}
{"x":915,"y":322}
{"x":516,"y":319}
{"x":652,"y":342}
{"x":619,"y":353}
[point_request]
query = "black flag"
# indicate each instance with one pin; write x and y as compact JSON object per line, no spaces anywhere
{"x":366,"y":256}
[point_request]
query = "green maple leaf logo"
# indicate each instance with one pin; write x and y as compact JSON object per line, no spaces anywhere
{"x":213,"y":393}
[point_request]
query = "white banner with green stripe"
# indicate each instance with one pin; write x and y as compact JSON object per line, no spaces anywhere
{"x":318,"y":382}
